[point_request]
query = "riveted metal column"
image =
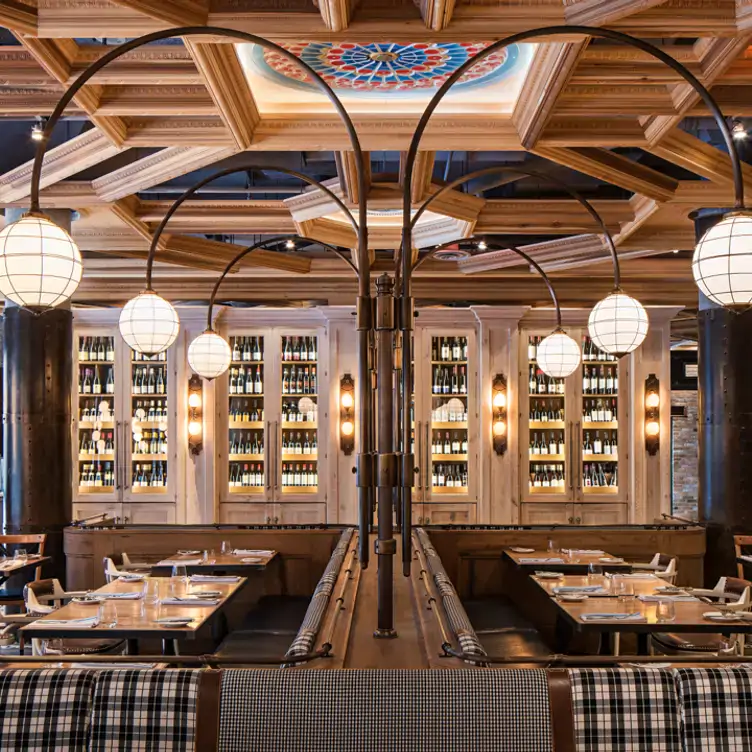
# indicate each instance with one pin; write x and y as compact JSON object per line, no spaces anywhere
{"x":386,"y":465}
{"x":37,"y":374}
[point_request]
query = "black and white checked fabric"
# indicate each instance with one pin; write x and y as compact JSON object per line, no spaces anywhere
{"x":716,"y":708}
{"x":385,"y":711}
{"x":45,"y":709}
{"x":625,"y":710}
{"x":144,"y":711}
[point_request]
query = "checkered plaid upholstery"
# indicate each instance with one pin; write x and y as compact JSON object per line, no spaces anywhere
{"x":385,"y":711}
{"x":716,"y":708}
{"x":45,"y":709}
{"x":625,"y":710}
{"x":144,"y":711}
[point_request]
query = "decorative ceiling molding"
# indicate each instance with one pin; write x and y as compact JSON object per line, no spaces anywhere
{"x":552,"y":66}
{"x":18,"y":17}
{"x":60,"y":162}
{"x":157,"y":168}
{"x":336,"y":14}
{"x":187,"y":131}
{"x":228,"y":86}
{"x":436,"y":14}
{"x":172,"y":12}
{"x":125,"y":211}
{"x":347,"y":176}
{"x":603,"y":12}
{"x":422,"y":174}
{"x":615,"y":169}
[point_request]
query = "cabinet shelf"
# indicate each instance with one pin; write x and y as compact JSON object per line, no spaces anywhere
{"x":600,"y":362}
{"x":246,"y":457}
{"x":149,"y":489}
{"x":299,"y":362}
{"x":592,"y":490}
{"x":446,"y":490}
{"x":148,"y":396}
{"x":605,"y":425}
{"x":90,"y":424}
{"x":301,"y":425}
{"x":246,"y":490}
{"x":149,"y":457}
{"x":300,"y":489}
{"x":449,"y":458}
{"x":247,"y":363}
{"x":547,"y":490}
{"x":296,"y":394}
{"x":543,"y":458}
{"x":96,"y":489}
{"x":599,"y":394}
{"x":600,"y":458}
{"x":449,"y":425}
{"x":545,"y":395}
{"x":96,"y":362}
{"x":459,"y":395}
{"x":151,"y":423}
{"x":246,"y":424}
{"x":96,"y":457}
{"x":288,"y":457}
{"x":448,"y":362}
{"x":247,"y":395}
{"x":552,"y":425}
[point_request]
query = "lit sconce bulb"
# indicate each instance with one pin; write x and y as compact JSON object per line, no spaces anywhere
{"x":500,"y":400}
{"x":347,"y":400}
{"x":194,"y":428}
{"x":137,"y":437}
{"x":652,"y":428}
{"x":652,"y":399}
{"x":482,"y":245}
{"x":290,"y":245}
{"x":37,"y":130}
{"x":738,"y":131}
{"x":347,"y":428}
{"x":499,"y":428}
{"x":194,"y":400}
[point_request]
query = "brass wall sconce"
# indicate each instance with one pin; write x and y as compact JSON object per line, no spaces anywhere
{"x":652,"y":414}
{"x":347,"y":414}
{"x":195,"y":414}
{"x":499,"y":406}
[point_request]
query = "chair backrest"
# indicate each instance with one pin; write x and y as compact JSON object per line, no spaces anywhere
{"x":111,"y":572}
{"x":33,"y":539}
{"x":735,"y":586}
{"x":33,"y":591}
{"x":740,"y":542}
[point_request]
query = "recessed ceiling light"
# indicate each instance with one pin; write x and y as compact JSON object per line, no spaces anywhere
{"x":290,"y":245}
{"x":482,"y":245}
{"x":738,"y":131}
{"x":37,"y":130}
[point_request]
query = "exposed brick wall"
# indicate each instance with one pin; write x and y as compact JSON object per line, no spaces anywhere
{"x":685,"y":455}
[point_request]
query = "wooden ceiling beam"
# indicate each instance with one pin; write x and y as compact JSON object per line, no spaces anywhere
{"x":126,"y":211}
{"x":348,"y":176}
{"x":188,"y":131}
{"x":60,"y":162}
{"x":168,"y":101}
{"x":18,"y":17}
{"x":604,"y":12}
{"x":422,"y":174}
{"x":680,"y":18}
{"x":336,"y":14}
{"x":552,"y":66}
{"x":172,"y":12}
{"x":615,"y":169}
{"x":157,"y":168}
{"x":437,"y":14}
{"x":228,"y":87}
{"x":608,"y":132}
{"x":56,"y":56}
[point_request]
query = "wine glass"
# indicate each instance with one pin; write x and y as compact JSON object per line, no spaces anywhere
{"x":623,"y":589}
{"x":151,"y":590}
{"x":226,"y":548}
{"x":179,"y":573}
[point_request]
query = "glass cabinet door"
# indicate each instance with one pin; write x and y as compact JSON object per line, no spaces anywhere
{"x":298,"y":437}
{"x":247,"y":469}
{"x":96,"y":440}
{"x":546,"y":430}
{"x":600,"y":472}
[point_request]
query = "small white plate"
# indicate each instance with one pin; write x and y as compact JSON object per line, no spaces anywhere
{"x":571,"y":598}
{"x":549,"y":575}
{"x":720,"y":616}
{"x":669,"y":589}
{"x":131,"y":577}
{"x":188,"y":553}
{"x":519,"y":550}
{"x":86,"y":601}
{"x":173,"y":621}
{"x":610,"y":560}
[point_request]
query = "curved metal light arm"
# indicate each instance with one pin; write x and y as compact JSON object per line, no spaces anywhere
{"x":555,"y":31}
{"x":191,"y":31}
{"x":494,"y":246}
{"x":223,"y":173}
{"x":533,"y":174}
{"x":261,"y":244}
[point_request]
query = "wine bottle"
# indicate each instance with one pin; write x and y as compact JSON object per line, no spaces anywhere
{"x":597,"y":444}
{"x":246,"y":349}
{"x":258,"y":384}
{"x":151,"y":385}
{"x":83,"y":351}
{"x":256,"y":349}
{"x":160,"y":381}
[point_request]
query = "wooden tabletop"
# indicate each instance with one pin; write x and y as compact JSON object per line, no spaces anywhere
{"x":641,"y":586}
{"x":688,"y":617}
{"x":216,"y":562}
{"x":14,"y":566}
{"x":563,"y":561}
{"x":136,"y":618}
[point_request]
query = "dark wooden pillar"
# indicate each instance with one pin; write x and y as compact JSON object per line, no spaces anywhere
{"x":37,"y":374}
{"x":725,"y":430}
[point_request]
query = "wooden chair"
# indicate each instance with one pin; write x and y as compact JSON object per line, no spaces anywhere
{"x":15,"y":598}
{"x":111,"y":572}
{"x":661,"y":565}
{"x":740,"y":542}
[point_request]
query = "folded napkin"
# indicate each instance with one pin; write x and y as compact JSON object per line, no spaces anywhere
{"x":746,"y":557}
{"x":252,"y":552}
{"x":214,"y":578}
{"x":580,"y":589}
{"x":655,"y":598}
{"x":88,"y":621}
{"x":188,"y":601}
{"x":636,"y":616}
{"x":134,"y":596}
{"x":634,"y":576}
{"x":541,"y":560}
{"x":184,"y":562}
{"x":589,"y":551}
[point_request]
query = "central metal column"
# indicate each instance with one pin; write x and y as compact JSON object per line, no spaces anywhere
{"x":386,"y":469}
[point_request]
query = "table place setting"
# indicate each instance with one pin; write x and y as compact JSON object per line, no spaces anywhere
{"x":179,"y":562}
{"x":590,"y":589}
{"x":635,"y":616}
{"x":676,"y":598}
{"x":583,"y":551}
{"x":226,"y":578}
{"x":725,"y":617}
{"x":632,"y":575}
{"x":549,"y":575}
{"x":190,"y":600}
{"x":610,"y":560}
{"x":519,"y":550}
{"x":84,"y":622}
{"x":135,"y":595}
{"x":541,"y":560}
{"x":254,"y":552}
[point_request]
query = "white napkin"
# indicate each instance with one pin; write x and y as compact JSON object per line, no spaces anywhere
{"x":88,"y":621}
{"x":636,"y":616}
{"x":579,"y":589}
{"x":633,"y":576}
{"x":252,"y":552}
{"x":134,"y":596}
{"x":187,"y":601}
{"x":746,"y":557}
{"x":184,"y":562}
{"x":540,"y":560}
{"x":593,"y":551}
{"x":214,"y":578}
{"x":655,"y":598}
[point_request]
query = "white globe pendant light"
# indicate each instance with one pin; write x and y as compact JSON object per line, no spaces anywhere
{"x":209,"y":355}
{"x":558,"y":355}
{"x":722,"y":261}
{"x":40,"y":265}
{"x":148,"y":323}
{"x":618,"y":324}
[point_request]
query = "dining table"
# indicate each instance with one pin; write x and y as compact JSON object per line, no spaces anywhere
{"x":137,"y":611}
{"x":571,"y":561}
{"x":237,"y":561}
{"x":647,"y":585}
{"x":14,"y":565}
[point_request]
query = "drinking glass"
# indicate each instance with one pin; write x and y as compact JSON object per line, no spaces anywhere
{"x":623,"y":589}
{"x":151,"y":590}
{"x":595,"y":574}
{"x":665,"y":610}
{"x":107,"y":613}
{"x":226,"y":547}
{"x":553,"y":547}
{"x":20,"y":554}
{"x":179,"y":572}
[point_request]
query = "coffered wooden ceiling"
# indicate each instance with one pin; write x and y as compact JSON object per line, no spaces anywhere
{"x":191,"y":106}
